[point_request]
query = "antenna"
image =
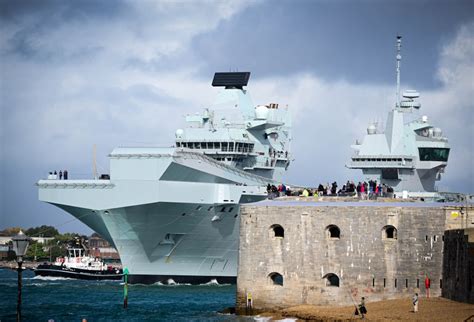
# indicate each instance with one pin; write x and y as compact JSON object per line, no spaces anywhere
{"x":94,"y":166}
{"x":399,"y":58}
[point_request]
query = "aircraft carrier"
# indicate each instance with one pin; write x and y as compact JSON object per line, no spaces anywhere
{"x":172,"y":213}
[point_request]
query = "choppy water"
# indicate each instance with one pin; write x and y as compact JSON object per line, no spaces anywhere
{"x":64,"y":299}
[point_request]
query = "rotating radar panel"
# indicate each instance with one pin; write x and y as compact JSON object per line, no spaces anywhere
{"x":231,"y":79}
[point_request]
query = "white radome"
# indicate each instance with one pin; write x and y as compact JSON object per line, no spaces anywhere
{"x":179,"y":133}
{"x":261,"y":112}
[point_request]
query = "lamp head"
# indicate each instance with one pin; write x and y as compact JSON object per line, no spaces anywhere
{"x":20,"y":245}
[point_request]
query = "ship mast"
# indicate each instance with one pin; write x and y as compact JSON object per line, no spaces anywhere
{"x":399,"y":58}
{"x":94,"y":165}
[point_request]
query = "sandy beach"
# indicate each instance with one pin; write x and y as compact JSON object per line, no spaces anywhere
{"x":432,"y":309}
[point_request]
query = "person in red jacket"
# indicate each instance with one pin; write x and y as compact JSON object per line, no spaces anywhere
{"x":427,"y":286}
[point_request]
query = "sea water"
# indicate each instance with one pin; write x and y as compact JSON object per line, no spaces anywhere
{"x":62,"y":299}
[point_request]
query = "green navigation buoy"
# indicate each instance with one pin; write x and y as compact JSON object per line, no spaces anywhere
{"x":125,"y":287}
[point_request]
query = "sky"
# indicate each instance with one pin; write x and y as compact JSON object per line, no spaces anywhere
{"x":75,"y":74}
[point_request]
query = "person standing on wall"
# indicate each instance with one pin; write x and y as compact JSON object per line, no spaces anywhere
{"x":415,"y":303}
{"x":427,"y":286}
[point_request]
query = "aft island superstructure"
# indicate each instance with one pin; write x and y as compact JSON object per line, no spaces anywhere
{"x":173,"y":212}
{"x":408,"y":156}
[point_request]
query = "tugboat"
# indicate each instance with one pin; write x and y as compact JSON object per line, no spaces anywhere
{"x":80,"y":266}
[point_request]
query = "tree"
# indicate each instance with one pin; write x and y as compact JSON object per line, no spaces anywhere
{"x":66,"y":237}
{"x":44,"y":230}
{"x":35,"y":250}
{"x":57,"y":251}
{"x":12,"y":231}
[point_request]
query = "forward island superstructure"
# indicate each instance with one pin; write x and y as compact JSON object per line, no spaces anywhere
{"x":408,"y":156}
{"x":173,"y":212}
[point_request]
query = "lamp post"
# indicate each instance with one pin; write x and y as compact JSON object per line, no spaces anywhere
{"x":20,"y":245}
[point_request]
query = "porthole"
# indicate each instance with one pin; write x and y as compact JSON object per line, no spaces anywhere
{"x":389,"y":232}
{"x":278,"y":231}
{"x":333,"y":232}
{"x":331,"y":280}
{"x":276,"y":278}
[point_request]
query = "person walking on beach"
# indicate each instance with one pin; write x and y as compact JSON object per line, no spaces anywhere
{"x":362,"y":308}
{"x":415,"y":303}
{"x":60,"y":175}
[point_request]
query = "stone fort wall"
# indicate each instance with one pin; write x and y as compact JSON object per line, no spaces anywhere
{"x":291,"y":252}
{"x":458,"y":265}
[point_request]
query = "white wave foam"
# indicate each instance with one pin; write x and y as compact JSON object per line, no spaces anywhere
{"x":43,"y":284}
{"x":212,"y":282}
{"x":171,"y":282}
{"x":51,"y":278}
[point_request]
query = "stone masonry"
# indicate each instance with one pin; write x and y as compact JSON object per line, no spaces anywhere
{"x":384,"y":251}
{"x":458,"y":265}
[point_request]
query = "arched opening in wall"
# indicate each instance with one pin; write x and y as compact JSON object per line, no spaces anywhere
{"x":278,"y":231}
{"x":333,"y":232}
{"x":276,"y":278}
{"x":389,"y":232}
{"x":331,"y":279}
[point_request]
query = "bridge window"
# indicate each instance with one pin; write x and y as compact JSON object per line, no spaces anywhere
{"x":390,"y":174}
{"x":433,"y":154}
{"x":333,"y":232}
{"x":331,"y":280}
{"x":278,"y":231}
{"x":389,"y":232}
{"x":276,"y":278}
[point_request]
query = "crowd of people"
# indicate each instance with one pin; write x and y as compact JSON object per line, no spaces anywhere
{"x":55,"y":176}
{"x":363,"y":190}
{"x":282,"y":190}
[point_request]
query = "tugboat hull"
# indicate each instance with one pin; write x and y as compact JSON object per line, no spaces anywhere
{"x":58,"y":271}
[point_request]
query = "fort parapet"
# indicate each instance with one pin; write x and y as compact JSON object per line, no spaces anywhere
{"x":304,"y":251}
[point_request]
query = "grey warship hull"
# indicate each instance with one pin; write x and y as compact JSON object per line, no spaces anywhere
{"x":173,"y":213}
{"x":186,"y":231}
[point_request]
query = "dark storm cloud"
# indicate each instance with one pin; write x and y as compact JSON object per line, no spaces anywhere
{"x":350,"y":40}
{"x":23,"y":45}
{"x":33,"y":20}
{"x":50,"y":11}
